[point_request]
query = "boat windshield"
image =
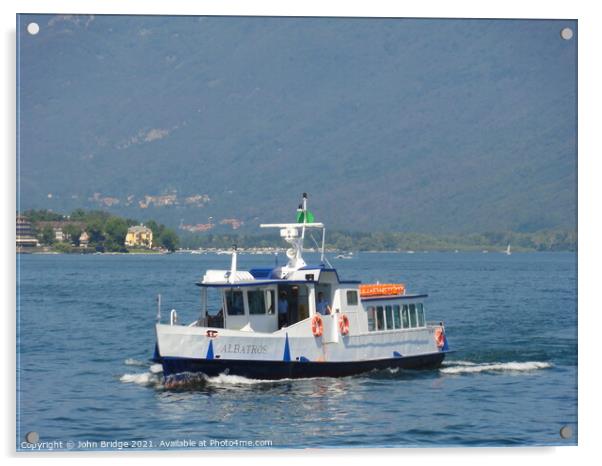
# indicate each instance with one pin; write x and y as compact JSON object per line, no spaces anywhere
{"x":212,"y":304}
{"x":235,"y":303}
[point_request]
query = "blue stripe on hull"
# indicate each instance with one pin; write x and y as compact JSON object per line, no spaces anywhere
{"x":274,"y":370}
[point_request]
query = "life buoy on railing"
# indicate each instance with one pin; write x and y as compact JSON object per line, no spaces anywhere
{"x":344,"y":324}
{"x":317,"y":326}
{"x":439,"y":337}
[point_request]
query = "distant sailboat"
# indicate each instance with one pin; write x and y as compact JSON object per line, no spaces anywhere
{"x":508,"y":250}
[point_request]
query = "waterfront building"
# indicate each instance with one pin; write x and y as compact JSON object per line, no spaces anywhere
{"x":59,"y":235}
{"x":25,"y":234}
{"x":84,"y":239}
{"x":139,"y":235}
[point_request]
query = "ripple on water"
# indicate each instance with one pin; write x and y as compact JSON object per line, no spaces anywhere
{"x":491,"y":395}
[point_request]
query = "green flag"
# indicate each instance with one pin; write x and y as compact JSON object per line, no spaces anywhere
{"x":305,"y":217}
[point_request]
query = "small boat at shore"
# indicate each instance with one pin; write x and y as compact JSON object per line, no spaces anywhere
{"x":297,"y":320}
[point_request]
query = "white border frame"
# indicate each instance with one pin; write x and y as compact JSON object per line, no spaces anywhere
{"x":590,"y":76}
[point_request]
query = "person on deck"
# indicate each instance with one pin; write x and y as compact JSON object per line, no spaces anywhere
{"x":282,"y":310}
{"x":323,"y":307}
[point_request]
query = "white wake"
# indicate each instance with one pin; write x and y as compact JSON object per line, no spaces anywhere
{"x":152,"y":378}
{"x":226,"y":379}
{"x":134,"y":362}
{"x":467,"y":367}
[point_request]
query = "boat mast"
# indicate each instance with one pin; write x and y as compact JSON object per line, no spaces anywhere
{"x":323,"y":242}
{"x":232,"y":276}
{"x":291,"y":234}
{"x":304,"y":218}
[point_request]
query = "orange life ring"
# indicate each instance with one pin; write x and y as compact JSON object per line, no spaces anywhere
{"x":439,"y":337}
{"x":317,"y":326}
{"x":344,"y":324}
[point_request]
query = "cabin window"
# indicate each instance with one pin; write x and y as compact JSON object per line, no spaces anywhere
{"x":397,"y":316}
{"x":389,"y":313}
{"x":412,"y":315}
{"x":269,"y":299}
{"x":420,"y":310}
{"x":234,"y":303}
{"x":371,"y":319}
{"x":256,"y":300}
{"x":352,"y":298}
{"x":404,"y":316}
{"x":380,"y":318}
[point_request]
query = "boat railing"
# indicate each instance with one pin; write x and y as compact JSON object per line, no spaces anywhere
{"x":433,"y":323}
{"x":296,"y":324}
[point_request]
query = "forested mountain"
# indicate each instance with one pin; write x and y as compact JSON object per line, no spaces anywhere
{"x":435,"y":126}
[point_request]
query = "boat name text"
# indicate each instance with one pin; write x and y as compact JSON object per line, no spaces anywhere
{"x":244,"y":349}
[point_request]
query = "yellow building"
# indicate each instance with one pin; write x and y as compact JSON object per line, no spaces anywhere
{"x":139,"y":236}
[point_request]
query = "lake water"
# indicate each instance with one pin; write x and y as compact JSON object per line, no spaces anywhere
{"x":85,"y":336}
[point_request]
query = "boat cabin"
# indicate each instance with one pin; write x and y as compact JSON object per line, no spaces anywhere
{"x":269,"y":299}
{"x":257,"y":301}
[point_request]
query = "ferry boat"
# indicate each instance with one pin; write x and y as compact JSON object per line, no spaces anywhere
{"x":298,"y":320}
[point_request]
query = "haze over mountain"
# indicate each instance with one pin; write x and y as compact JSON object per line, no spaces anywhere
{"x":436,"y":126}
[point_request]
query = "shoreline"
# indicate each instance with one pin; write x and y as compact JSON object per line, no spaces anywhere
{"x":278,"y":252}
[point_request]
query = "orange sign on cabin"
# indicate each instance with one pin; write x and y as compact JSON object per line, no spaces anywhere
{"x":387,"y":289}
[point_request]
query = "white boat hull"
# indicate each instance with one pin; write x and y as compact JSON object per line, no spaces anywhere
{"x":293,"y":352}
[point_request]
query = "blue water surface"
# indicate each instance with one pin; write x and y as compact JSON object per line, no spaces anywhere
{"x":85,"y":336}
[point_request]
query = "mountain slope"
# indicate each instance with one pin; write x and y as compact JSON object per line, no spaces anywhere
{"x":423,"y":125}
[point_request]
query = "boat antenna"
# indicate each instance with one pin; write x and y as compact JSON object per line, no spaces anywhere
{"x":232,"y":276}
{"x":294,"y":233}
{"x":323,"y":256}
{"x":304,"y":216}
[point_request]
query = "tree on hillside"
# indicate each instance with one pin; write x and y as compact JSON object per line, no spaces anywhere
{"x":42,"y":215}
{"x":72,"y":232}
{"x":95,"y":230}
{"x":47,"y":235}
{"x":78,"y":214}
{"x":155,"y":228}
{"x":169,"y":239}
{"x":116,"y":228}
{"x":89,"y":216}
